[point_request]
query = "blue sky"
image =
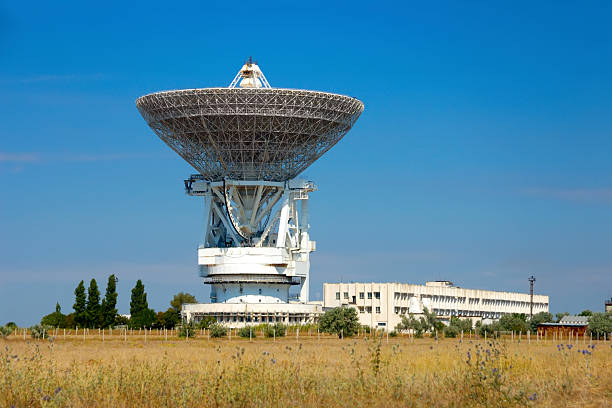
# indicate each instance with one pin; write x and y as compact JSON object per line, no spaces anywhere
{"x":482,"y":156}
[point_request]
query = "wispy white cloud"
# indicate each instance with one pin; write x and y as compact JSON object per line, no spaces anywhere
{"x":18,"y":157}
{"x":56,"y":78}
{"x":34,"y":157}
{"x":591,"y":195}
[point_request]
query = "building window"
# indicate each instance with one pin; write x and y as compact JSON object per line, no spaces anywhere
{"x":378,"y":309}
{"x":369,"y":295}
{"x":377,"y":295}
{"x":397,"y":310}
{"x":369,"y":309}
{"x":346,"y":295}
{"x":361,"y":295}
{"x":360,"y":309}
{"x":337,"y":295}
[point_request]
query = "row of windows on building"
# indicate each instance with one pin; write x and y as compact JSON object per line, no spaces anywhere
{"x":471,"y":301}
{"x":259,"y":319}
{"x":361,"y":295}
{"x":368,"y":309}
{"x":439,"y":312}
{"x":447,"y":299}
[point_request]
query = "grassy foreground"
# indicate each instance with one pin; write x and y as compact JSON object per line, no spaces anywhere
{"x":325,"y":372}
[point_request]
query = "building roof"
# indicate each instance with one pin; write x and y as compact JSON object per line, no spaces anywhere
{"x":574,"y":319}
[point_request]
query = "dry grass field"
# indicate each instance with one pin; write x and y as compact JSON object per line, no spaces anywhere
{"x":311,"y":372}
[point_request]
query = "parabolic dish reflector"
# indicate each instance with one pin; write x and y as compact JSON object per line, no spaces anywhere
{"x":267,"y":134}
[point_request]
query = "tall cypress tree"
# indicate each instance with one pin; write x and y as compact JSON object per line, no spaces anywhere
{"x":141,"y":315}
{"x":109,"y":303}
{"x":92,"y":311}
{"x":79,"y":305}
{"x":138,"y":302}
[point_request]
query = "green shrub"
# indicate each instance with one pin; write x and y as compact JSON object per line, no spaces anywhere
{"x":206,"y":322}
{"x":187,"y":330}
{"x":39,"y":332}
{"x":393,"y":333}
{"x":451,"y":331}
{"x":489,"y":329}
{"x":247,"y":332}
{"x":5,"y":331}
{"x":217,"y":330}
{"x":275,"y":330}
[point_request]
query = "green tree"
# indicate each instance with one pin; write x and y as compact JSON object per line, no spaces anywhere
{"x":121,"y":321}
{"x":141,"y":315}
{"x":342,"y":321}
{"x":109,"y":303}
{"x":600,"y":324}
{"x":418,"y":326}
{"x":456,"y":326}
{"x":80,"y":302}
{"x":542,"y":317}
{"x":559,"y":316}
{"x":69,"y":321}
{"x":168,"y":319}
{"x":180,"y":299}
{"x":428,"y":322}
{"x":206,"y":322}
{"x":513,"y":322}
{"x":586,"y":312}
{"x":92,"y":310}
{"x":55,"y":319}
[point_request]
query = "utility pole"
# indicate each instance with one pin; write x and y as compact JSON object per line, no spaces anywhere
{"x":531,"y":281}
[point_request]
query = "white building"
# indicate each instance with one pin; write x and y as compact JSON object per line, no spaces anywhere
{"x":242,"y":314}
{"x":383,"y":304}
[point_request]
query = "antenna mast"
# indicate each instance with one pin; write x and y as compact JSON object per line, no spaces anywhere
{"x":531,"y":282}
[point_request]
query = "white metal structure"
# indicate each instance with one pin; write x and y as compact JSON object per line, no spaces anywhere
{"x":250,"y":76}
{"x":255,"y":243}
{"x":249,"y":142}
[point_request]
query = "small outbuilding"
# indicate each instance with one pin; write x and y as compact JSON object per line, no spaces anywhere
{"x":568,"y":326}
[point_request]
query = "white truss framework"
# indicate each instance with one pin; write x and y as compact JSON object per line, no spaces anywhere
{"x":249,"y":133}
